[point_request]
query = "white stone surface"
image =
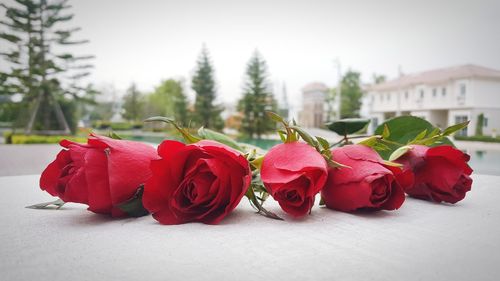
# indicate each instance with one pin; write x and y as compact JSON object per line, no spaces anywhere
{"x":421,"y":241}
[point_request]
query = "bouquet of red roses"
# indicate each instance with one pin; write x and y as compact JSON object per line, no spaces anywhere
{"x":205,"y":177}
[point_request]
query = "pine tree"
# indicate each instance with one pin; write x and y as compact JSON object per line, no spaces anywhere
{"x":133,"y":104}
{"x":206,"y":113}
{"x":257,"y":98}
{"x":45,"y":79}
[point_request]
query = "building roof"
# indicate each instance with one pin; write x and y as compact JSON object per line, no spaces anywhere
{"x":438,"y":76}
{"x":315,"y":86}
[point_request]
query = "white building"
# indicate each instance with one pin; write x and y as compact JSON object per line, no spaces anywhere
{"x":443,"y":97}
{"x":313,"y":113}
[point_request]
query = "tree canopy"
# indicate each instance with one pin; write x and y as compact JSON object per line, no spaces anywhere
{"x":44,"y":77}
{"x":206,"y":112}
{"x":257,"y":98}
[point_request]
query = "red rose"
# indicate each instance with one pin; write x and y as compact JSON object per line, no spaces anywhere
{"x":102,"y":173}
{"x":293,"y":173}
{"x":200,"y":182}
{"x":369,"y":183}
{"x":439,"y":173}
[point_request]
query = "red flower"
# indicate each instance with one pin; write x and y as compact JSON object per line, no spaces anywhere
{"x":439,"y":173}
{"x":200,"y":182}
{"x":102,"y":173}
{"x":293,"y":173}
{"x":369,"y":183}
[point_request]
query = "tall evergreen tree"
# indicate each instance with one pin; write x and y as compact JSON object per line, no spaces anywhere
{"x":206,"y":112}
{"x":351,"y":95}
{"x":133,"y":104}
{"x":257,"y":98}
{"x":46,"y":79}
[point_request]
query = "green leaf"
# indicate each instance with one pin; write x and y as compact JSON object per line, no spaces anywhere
{"x":323,"y":142}
{"x":113,"y":135}
{"x":386,"y":133}
{"x":188,"y":137}
{"x":257,"y":162}
{"x":399,"y":152}
{"x":254,"y":201}
{"x":392,"y":164}
{"x":48,"y":205}
{"x":457,"y":127}
{"x":347,"y":126}
{"x":275,"y":116}
{"x":216,"y":136}
{"x":436,"y":132}
{"x":282,"y":136}
{"x":305,"y":136}
{"x":376,"y":143}
{"x":420,"y":136}
{"x":335,"y":164}
{"x":133,"y":207}
{"x":404,"y":128}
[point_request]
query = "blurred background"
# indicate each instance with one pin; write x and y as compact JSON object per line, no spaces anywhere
{"x":71,"y":67}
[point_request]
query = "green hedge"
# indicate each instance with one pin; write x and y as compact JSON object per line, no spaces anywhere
{"x":32,"y":139}
{"x":478,"y":138}
{"x":116,"y":126}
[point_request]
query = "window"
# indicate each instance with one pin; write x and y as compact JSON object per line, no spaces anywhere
{"x":443,"y":91}
{"x":434,"y":92}
{"x":421,"y":94}
{"x":485,"y":122}
{"x":461,"y":119}
{"x":406,"y":95}
{"x":463,"y":90}
{"x":388,"y":96}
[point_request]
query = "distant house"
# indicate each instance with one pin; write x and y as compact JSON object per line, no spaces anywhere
{"x":313,"y":113}
{"x":442,"y":96}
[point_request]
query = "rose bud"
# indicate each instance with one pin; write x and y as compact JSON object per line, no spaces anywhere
{"x":293,"y":173}
{"x":102,"y":174}
{"x":199,"y":182}
{"x":439,"y":173}
{"x":367,"y":184}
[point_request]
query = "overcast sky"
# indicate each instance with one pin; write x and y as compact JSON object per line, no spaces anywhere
{"x":149,"y":40}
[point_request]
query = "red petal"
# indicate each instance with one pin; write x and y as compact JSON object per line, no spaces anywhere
{"x":128,"y":165}
{"x":51,"y":174}
{"x":295,"y":156}
{"x":96,"y":174}
{"x":455,"y":156}
{"x":346,"y":196}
